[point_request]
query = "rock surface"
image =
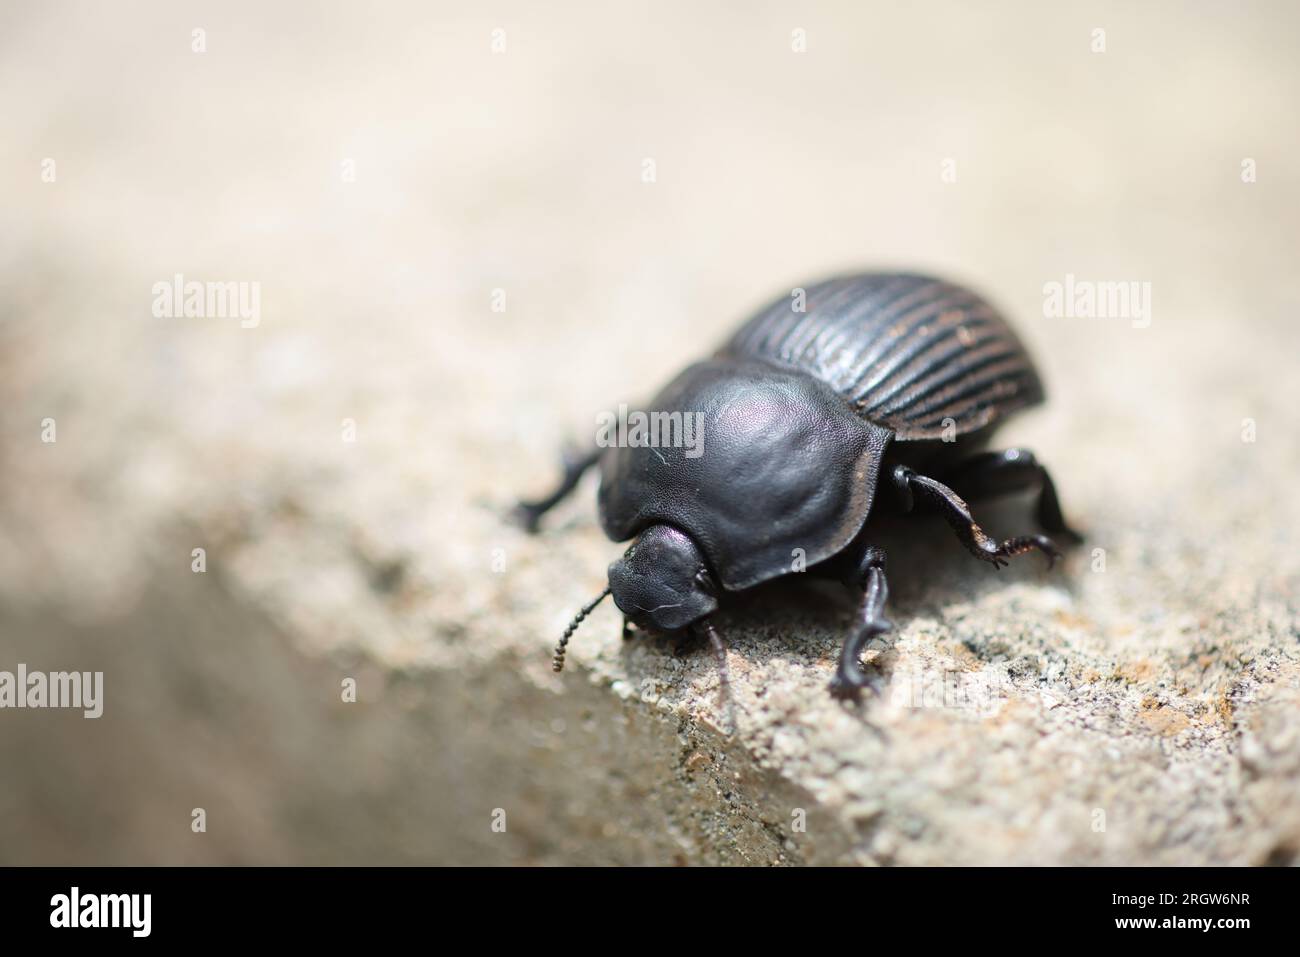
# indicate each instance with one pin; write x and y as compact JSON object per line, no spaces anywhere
{"x":345,"y":463}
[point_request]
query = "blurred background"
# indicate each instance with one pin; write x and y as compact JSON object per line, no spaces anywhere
{"x":473,"y":226}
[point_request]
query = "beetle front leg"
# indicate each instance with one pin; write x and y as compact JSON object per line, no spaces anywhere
{"x":849,"y":677}
{"x":704,"y":629}
{"x":529,"y":514}
{"x":957,"y":513}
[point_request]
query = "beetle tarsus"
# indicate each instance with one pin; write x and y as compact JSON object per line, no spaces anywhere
{"x":1024,"y":543}
{"x":998,"y":555}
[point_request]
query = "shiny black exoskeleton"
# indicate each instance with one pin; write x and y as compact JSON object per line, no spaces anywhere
{"x":814,"y":401}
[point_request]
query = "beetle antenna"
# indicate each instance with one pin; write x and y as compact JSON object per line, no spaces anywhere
{"x":557,"y":663}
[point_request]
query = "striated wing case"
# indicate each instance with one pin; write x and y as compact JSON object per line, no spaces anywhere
{"x":908,"y":352}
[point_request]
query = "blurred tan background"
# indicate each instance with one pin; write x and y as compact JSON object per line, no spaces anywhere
{"x":381,"y":171}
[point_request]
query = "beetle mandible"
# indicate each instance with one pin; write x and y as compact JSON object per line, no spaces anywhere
{"x":893,"y":378}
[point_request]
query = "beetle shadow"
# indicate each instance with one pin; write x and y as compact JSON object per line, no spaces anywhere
{"x":804,"y":618}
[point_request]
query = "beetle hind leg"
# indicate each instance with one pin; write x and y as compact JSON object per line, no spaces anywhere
{"x":529,"y":514}
{"x":957,"y":513}
{"x":992,"y":474}
{"x":849,"y":678}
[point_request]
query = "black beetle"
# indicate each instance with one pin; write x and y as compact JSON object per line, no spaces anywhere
{"x":802,"y":412}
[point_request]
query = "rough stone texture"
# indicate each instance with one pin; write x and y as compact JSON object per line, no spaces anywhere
{"x":1020,"y":713}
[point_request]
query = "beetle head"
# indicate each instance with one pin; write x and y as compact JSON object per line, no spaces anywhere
{"x":662,"y":582}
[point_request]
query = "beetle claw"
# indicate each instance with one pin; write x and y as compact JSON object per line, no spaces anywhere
{"x":993,"y":557}
{"x":1000,"y":556}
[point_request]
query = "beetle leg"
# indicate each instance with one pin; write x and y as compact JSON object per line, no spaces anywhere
{"x":529,"y":514}
{"x":704,"y":629}
{"x":849,"y":678}
{"x":990,"y":474}
{"x":957,"y":513}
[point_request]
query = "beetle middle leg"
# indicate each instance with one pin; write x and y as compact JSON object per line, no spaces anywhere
{"x":992,"y":474}
{"x":849,"y":677}
{"x":957,"y":513}
{"x":529,"y":514}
